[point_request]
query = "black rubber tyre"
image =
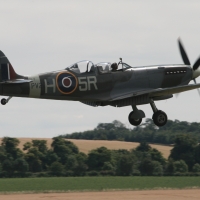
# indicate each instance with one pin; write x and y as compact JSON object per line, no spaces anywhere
{"x":132,"y":121}
{"x":3,"y":101}
{"x":160,"y":118}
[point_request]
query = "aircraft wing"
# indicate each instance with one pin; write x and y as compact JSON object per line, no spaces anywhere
{"x":159,"y":91}
{"x":174,"y":90}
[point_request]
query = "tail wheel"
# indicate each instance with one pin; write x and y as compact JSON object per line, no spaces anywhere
{"x":160,"y":118}
{"x":3,"y":101}
{"x":132,"y":121}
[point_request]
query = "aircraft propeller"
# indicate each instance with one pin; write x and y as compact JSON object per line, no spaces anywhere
{"x":196,"y":70}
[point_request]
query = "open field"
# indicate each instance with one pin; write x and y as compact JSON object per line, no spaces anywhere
{"x":66,"y":184}
{"x":87,"y":145}
{"x":111,"y":195}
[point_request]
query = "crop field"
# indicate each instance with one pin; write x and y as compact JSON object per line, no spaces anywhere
{"x":62,"y":184}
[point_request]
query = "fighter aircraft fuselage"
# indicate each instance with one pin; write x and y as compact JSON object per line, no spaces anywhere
{"x":99,"y":86}
{"x":104,"y":84}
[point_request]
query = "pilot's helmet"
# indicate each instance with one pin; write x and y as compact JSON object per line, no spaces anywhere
{"x":114,"y":66}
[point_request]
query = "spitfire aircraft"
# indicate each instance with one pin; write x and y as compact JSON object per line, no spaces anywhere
{"x":105,"y":84}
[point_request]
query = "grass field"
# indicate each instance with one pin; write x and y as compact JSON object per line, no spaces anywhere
{"x":27,"y":185}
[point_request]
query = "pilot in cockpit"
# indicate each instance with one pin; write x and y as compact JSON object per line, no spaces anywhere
{"x":114,"y":67}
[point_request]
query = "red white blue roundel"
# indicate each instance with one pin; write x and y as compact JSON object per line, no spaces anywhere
{"x":66,"y":82}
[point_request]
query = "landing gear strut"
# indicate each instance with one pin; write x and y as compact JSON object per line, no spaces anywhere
{"x":135,"y":117}
{"x":5,"y":101}
{"x":159,"y":117}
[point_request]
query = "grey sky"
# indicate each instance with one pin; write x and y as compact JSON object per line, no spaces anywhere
{"x":40,"y":36}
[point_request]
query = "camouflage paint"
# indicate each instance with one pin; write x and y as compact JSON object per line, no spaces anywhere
{"x":97,"y":87}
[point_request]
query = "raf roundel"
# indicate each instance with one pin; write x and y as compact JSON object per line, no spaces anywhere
{"x":66,"y":82}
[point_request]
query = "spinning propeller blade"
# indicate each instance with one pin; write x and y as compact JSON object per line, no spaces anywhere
{"x":196,"y":64}
{"x":183,"y":53}
{"x":186,"y":61}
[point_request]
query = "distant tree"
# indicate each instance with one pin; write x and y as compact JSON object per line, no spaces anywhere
{"x":180,"y":166}
{"x":9,"y":143}
{"x":170,"y":166}
{"x":77,"y":164}
{"x":33,"y":159}
{"x":51,"y":157}
{"x":41,"y":145}
{"x":97,"y":158}
{"x":157,"y":168}
{"x":3,"y":155}
{"x":147,"y":166}
{"x":8,"y":167}
{"x":115,"y":125}
{"x":146,"y":132}
{"x":36,"y":155}
{"x":81,"y":167}
{"x":125,"y":165}
{"x":57,"y":169}
{"x":27,"y":146}
{"x":196,"y":168}
{"x":1,"y":167}
{"x":184,"y":149}
{"x":149,"y":125}
{"x":71,"y":163}
{"x":21,"y":165}
{"x":143,"y":147}
{"x":58,"y":141}
{"x":108,"y":166}
{"x":157,"y":156}
{"x":63,"y":152}
{"x":197,"y":154}
{"x":63,"y":148}
{"x":10,"y":146}
{"x":37,"y":165}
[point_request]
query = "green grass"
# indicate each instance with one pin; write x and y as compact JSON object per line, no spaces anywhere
{"x":95,"y":183}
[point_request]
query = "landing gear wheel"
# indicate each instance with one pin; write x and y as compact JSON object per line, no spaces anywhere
{"x":3,"y":101}
{"x":132,"y":121}
{"x":160,"y":118}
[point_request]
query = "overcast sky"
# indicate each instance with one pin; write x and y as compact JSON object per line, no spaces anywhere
{"x":41,"y":36}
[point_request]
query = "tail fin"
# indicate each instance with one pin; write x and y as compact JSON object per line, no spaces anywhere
{"x":6,"y":70}
{"x":8,"y":74}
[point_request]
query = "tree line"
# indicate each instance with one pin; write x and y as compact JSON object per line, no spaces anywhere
{"x":65,"y":159}
{"x":148,"y":132}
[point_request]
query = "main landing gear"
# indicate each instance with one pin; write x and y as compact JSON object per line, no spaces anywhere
{"x":159,"y":117}
{"x":5,"y":101}
{"x":135,"y":117}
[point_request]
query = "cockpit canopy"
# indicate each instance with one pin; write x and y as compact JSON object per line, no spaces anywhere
{"x":103,"y":67}
{"x":82,"y":66}
{"x":87,"y":66}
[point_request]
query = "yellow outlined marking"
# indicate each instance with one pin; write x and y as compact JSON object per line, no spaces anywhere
{"x":58,"y":85}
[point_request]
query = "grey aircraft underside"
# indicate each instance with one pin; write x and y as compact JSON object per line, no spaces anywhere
{"x":104,"y":84}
